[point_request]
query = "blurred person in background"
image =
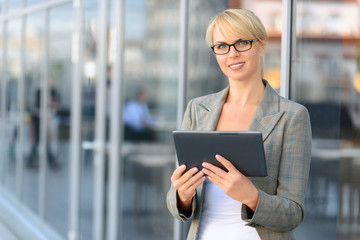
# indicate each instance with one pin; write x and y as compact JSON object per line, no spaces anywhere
{"x":52,"y":110}
{"x":138,"y":120}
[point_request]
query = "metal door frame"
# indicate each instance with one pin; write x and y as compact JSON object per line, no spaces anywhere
{"x":99,"y":145}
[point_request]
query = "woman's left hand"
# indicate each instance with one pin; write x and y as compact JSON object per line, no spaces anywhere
{"x":235,"y":184}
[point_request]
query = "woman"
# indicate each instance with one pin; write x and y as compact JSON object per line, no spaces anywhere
{"x":228,"y":205}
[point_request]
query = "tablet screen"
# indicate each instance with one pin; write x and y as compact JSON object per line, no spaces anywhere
{"x":244,"y":149}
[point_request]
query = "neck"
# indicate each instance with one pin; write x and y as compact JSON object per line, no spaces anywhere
{"x":245,"y":93}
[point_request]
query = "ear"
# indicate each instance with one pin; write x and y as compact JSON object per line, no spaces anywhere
{"x":262,"y":48}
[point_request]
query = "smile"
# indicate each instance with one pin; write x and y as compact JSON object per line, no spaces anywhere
{"x":236,"y":66}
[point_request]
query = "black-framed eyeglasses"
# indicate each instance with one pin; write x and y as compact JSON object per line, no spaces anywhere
{"x":240,"y":46}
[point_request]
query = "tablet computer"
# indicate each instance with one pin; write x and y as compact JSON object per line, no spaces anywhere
{"x":244,"y":149}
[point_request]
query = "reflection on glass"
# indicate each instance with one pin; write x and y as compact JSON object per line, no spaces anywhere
{"x":33,"y":68}
{"x":326,"y":82}
{"x":14,"y":5}
{"x":59,"y":105}
{"x":1,"y":65}
{"x":88,"y":118}
{"x":32,"y":2}
{"x":151,"y":75}
{"x":12,"y":104}
{"x":204,"y":75}
{"x":270,"y":13}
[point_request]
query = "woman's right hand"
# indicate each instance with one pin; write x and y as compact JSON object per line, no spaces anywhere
{"x":186,"y":183}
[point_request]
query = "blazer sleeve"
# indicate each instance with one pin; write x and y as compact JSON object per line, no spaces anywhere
{"x":285,"y":210}
{"x":171,"y":197}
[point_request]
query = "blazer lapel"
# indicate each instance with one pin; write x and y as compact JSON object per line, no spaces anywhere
{"x":268,"y":113}
{"x":210,"y":108}
{"x":265,"y":119}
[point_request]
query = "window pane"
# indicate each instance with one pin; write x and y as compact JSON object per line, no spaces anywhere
{"x":1,"y":66}
{"x":34,"y":35}
{"x":14,"y":5}
{"x":32,"y":2}
{"x":13,"y":69}
{"x":151,"y":75}
{"x":88,"y":117}
{"x":204,"y":75}
{"x":59,"y":105}
{"x":326,"y":81}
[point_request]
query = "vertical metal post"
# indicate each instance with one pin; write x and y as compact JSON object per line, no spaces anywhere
{"x":114,"y":222}
{"x":287,"y":38}
{"x":76,"y":98}
{"x":183,"y":54}
{"x":99,"y":157}
{"x":182,"y":83}
{"x":43,"y":119}
{"x":20,"y":119}
{"x":3,"y":97}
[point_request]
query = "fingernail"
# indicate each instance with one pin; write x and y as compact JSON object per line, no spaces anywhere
{"x":204,"y":164}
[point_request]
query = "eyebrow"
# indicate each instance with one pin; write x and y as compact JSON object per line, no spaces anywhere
{"x":221,"y":42}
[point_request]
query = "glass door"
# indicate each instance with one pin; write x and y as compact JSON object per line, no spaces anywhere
{"x":91,"y":73}
{"x":149,"y":115}
{"x":125,"y":61}
{"x":325,"y":79}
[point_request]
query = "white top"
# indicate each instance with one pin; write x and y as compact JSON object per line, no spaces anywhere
{"x":221,"y":217}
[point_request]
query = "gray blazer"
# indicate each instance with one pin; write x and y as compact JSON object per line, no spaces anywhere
{"x":286,"y":131}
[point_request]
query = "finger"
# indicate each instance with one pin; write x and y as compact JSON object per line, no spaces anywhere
{"x":218,"y":171}
{"x":189,"y":173}
{"x":190,"y":191}
{"x":227,"y":164}
{"x":198,"y":182}
{"x":195,"y":181}
{"x":178,"y":172}
{"x":192,"y":179}
{"x":184,"y":177}
{"x":189,"y":188}
{"x":216,"y":180}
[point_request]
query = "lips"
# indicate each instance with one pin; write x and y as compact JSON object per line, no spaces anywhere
{"x":236,"y":66}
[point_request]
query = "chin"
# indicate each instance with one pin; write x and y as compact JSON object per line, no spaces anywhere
{"x":243,"y":77}
{"x":239,"y":78}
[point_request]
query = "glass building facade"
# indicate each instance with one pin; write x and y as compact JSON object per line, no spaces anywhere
{"x":70,"y":167}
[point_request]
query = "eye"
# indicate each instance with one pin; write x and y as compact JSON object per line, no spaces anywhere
{"x":221,"y":46}
{"x":243,"y":42}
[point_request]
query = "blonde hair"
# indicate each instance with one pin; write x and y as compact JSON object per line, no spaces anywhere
{"x":239,"y":22}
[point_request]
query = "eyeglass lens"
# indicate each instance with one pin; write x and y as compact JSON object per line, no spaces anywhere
{"x":240,"y":46}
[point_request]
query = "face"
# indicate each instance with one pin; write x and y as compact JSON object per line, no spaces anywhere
{"x":142,"y":96}
{"x":239,"y":66}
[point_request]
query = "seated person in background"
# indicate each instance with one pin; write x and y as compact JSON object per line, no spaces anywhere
{"x":137,"y":119}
